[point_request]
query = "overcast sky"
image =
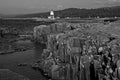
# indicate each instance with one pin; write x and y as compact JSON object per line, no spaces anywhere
{"x":33,"y":6}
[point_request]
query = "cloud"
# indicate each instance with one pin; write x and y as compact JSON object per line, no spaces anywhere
{"x":59,"y":6}
{"x":114,"y":0}
{"x":105,"y":1}
{"x":110,"y":2}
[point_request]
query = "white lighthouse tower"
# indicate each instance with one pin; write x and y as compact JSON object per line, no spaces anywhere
{"x":51,"y":15}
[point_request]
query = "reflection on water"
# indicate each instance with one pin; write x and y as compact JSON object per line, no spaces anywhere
{"x":10,"y":61}
{"x":38,"y":50}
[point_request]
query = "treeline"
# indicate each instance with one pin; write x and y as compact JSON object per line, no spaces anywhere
{"x":83,"y":13}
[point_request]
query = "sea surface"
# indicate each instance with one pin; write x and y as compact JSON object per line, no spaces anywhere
{"x":11,"y":61}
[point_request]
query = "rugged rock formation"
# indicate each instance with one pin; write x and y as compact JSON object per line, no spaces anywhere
{"x":41,"y":32}
{"x":81,"y":53}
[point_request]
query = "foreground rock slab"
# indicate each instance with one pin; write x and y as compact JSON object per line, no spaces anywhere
{"x":6,"y":74}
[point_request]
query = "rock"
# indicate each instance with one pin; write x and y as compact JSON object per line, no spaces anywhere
{"x":38,"y":61}
{"x":35,"y":66}
{"x":22,"y":64}
{"x":70,"y":53}
{"x":41,"y":32}
{"x":55,"y":71}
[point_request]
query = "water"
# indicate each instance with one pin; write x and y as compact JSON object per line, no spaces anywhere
{"x":10,"y":61}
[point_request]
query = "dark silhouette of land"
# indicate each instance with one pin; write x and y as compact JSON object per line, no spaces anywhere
{"x":77,"y":12}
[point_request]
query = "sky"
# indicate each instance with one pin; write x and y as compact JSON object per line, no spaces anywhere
{"x":34,"y":6}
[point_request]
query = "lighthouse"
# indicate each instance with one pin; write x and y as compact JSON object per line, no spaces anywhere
{"x":52,"y":17}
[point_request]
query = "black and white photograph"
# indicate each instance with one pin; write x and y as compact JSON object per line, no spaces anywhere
{"x":59,"y":39}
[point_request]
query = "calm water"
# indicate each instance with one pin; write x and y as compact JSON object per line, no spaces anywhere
{"x":10,"y":61}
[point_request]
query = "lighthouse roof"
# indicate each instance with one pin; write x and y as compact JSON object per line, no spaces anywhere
{"x":51,"y":12}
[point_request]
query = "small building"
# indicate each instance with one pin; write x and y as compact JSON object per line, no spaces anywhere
{"x":52,"y":16}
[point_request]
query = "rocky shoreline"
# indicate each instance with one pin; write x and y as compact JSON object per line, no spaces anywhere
{"x":74,"y":54}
